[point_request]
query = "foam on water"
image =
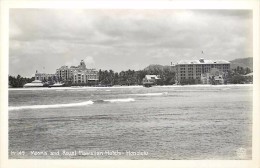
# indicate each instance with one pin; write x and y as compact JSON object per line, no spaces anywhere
{"x":120,"y":100}
{"x":52,"y":106}
{"x":11,"y":108}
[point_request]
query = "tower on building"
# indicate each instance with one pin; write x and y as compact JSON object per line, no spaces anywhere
{"x":82,"y":64}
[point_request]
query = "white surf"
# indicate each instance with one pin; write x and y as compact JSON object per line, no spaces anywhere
{"x":52,"y":106}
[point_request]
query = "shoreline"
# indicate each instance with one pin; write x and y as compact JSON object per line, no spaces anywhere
{"x":128,"y":87}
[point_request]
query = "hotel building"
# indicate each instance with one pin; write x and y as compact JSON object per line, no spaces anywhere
{"x":79,"y":74}
{"x":45,"y":77}
{"x":195,"y":69}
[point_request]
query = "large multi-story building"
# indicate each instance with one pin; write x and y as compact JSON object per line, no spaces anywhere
{"x":45,"y":77}
{"x":84,"y":76}
{"x":79,"y":74}
{"x":64,"y":73}
{"x":193,"y":69}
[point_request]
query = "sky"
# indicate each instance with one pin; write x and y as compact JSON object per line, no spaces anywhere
{"x":121,"y":39}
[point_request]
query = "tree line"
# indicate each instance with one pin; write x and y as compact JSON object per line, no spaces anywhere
{"x":132,"y":77}
{"x":236,"y":76}
{"x":19,"y":81}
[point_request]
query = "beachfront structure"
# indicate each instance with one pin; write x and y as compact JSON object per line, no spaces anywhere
{"x":77,"y":74}
{"x":84,"y":76}
{"x":64,"y":73}
{"x":215,"y":77}
{"x":197,"y":70}
{"x":35,"y":83}
{"x":150,"y":79}
{"x":45,"y":77}
{"x":248,"y":78}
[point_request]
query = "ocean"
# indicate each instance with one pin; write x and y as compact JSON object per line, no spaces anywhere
{"x":133,"y":123}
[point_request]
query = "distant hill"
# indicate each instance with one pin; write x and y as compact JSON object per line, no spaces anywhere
{"x":154,"y":67}
{"x":242,"y":62}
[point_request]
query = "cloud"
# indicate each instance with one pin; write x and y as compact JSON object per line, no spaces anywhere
{"x":124,"y":39}
{"x":89,"y":61}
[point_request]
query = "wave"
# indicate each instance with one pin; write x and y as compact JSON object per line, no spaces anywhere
{"x":120,"y":100}
{"x":69,"y":104}
{"x":52,"y":106}
{"x":152,"y":94}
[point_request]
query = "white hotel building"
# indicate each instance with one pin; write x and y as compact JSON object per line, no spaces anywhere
{"x":195,"y":69}
{"x":45,"y":77}
{"x":79,"y":74}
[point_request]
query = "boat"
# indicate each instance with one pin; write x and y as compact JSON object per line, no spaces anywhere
{"x":35,"y":83}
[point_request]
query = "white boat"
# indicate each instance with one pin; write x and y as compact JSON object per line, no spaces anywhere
{"x":35,"y":83}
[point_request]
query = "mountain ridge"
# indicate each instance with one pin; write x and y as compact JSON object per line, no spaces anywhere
{"x":242,"y":62}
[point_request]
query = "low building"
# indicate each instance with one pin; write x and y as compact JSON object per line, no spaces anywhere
{"x":35,"y":83}
{"x":191,"y":70}
{"x":249,"y":78}
{"x":215,"y":77}
{"x":45,"y":77}
{"x":150,"y":80}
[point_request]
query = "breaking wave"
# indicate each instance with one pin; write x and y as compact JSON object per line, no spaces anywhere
{"x":70,"y":104}
{"x":120,"y":100}
{"x":52,"y":106}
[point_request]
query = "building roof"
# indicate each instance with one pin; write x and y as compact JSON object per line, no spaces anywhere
{"x":36,"y":81}
{"x":202,"y":61}
{"x":63,"y":68}
{"x":34,"y":84}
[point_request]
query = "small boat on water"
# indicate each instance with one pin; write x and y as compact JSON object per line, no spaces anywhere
{"x":35,"y":83}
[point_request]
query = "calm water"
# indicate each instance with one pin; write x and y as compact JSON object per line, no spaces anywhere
{"x":184,"y":122}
